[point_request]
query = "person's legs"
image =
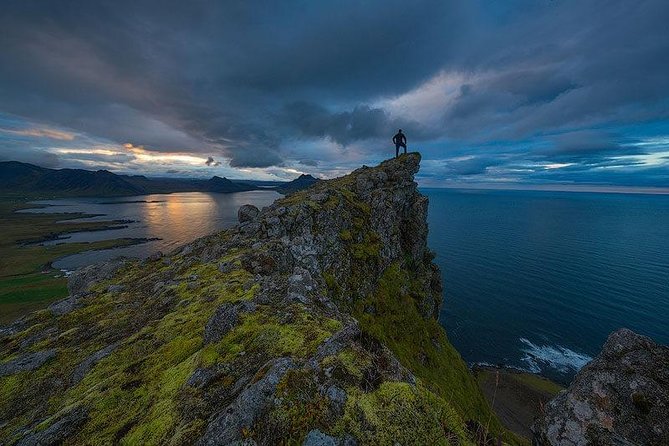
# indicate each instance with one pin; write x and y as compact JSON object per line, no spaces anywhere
{"x":397,"y":150}
{"x":405,"y":148}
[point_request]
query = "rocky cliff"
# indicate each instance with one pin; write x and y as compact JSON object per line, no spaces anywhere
{"x":311,"y":322}
{"x":620,"y":398}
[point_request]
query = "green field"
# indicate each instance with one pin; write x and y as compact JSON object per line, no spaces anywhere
{"x":27,"y":281}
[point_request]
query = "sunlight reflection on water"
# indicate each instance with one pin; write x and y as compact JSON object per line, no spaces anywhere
{"x":174,"y":218}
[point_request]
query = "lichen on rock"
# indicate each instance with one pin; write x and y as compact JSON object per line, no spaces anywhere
{"x":620,"y":398}
{"x":313,"y":320}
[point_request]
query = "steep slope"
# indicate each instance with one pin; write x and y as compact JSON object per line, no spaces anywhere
{"x":312,"y":321}
{"x":14,"y":173}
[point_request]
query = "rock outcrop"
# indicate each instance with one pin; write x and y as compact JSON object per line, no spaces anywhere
{"x":620,"y":398}
{"x":313,"y":320}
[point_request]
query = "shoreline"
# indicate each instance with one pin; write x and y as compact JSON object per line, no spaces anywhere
{"x":63,"y":235}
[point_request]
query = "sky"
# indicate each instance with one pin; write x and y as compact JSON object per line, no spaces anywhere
{"x":545,"y":93}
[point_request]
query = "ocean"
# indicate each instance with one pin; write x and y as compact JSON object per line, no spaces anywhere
{"x":537,"y":280}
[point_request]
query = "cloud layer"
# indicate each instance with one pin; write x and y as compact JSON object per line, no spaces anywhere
{"x":530,"y":91}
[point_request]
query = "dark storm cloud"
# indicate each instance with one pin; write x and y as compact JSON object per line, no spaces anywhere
{"x":12,"y":151}
{"x":246,"y":80}
{"x":585,"y":141}
{"x":203,"y":76}
{"x":361,"y":123}
{"x":471,"y":166}
{"x":212,"y":162}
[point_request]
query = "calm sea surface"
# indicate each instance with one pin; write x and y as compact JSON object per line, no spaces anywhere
{"x":534,"y":280}
{"x":537,"y":280}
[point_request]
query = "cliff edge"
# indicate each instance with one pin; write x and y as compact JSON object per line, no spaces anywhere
{"x":311,"y":322}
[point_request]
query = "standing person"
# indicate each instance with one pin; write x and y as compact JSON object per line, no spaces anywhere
{"x":400,"y":141}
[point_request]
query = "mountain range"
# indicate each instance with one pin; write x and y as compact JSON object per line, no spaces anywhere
{"x":28,"y":179}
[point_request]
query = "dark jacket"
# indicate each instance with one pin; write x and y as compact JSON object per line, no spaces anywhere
{"x":399,"y":139}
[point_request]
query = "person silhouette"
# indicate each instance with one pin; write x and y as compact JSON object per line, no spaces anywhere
{"x":400,"y":141}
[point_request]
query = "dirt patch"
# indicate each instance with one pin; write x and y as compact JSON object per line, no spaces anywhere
{"x":516,"y":397}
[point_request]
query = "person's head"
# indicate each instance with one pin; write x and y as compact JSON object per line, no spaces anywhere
{"x":399,"y":131}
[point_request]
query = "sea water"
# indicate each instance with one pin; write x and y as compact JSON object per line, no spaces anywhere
{"x":537,"y":280}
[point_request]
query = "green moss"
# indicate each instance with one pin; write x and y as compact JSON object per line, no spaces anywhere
{"x":368,"y":249}
{"x":332,"y":284}
{"x":10,"y":386}
{"x":421,"y":345}
{"x":346,"y":235}
{"x":538,"y":383}
{"x":164,"y":414}
{"x":134,"y":395}
{"x":398,"y":412}
{"x":301,"y":408}
{"x":349,"y":364}
{"x":297,"y":334}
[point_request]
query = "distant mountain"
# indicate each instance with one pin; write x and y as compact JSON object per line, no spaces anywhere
{"x":21,"y":177}
{"x":299,"y":183}
{"x":218,"y":184}
{"x":168,"y":185}
{"x":17,"y":177}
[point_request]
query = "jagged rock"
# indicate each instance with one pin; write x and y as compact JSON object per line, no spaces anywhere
{"x":318,"y":438}
{"x":224,"y":319}
{"x":37,"y":337}
{"x":203,"y":377}
{"x":115,"y":288}
{"x":337,"y":397}
{"x":64,"y":306}
{"x":247,"y":213}
{"x":225,"y":267}
{"x":26,"y":362}
{"x":301,"y":285}
{"x":155,"y":256}
{"x":158,"y":286}
{"x":60,"y":430}
{"x":620,"y":398}
{"x":335,"y":343}
{"x":80,"y":280}
{"x":88,"y":363}
{"x":186,"y":250}
{"x":227,"y":426}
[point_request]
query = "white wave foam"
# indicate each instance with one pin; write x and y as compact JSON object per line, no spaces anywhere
{"x":556,"y":357}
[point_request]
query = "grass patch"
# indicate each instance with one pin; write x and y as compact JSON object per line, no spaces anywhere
{"x":27,"y":282}
{"x":538,"y":383}
{"x":399,"y":413}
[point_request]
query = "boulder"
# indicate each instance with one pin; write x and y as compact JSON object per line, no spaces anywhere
{"x":318,"y":438}
{"x":224,"y":319}
{"x":228,"y":425}
{"x":247,"y":213}
{"x":82,"y":279}
{"x":620,"y":398}
{"x":65,"y":426}
{"x":26,"y":362}
{"x":87,"y":364}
